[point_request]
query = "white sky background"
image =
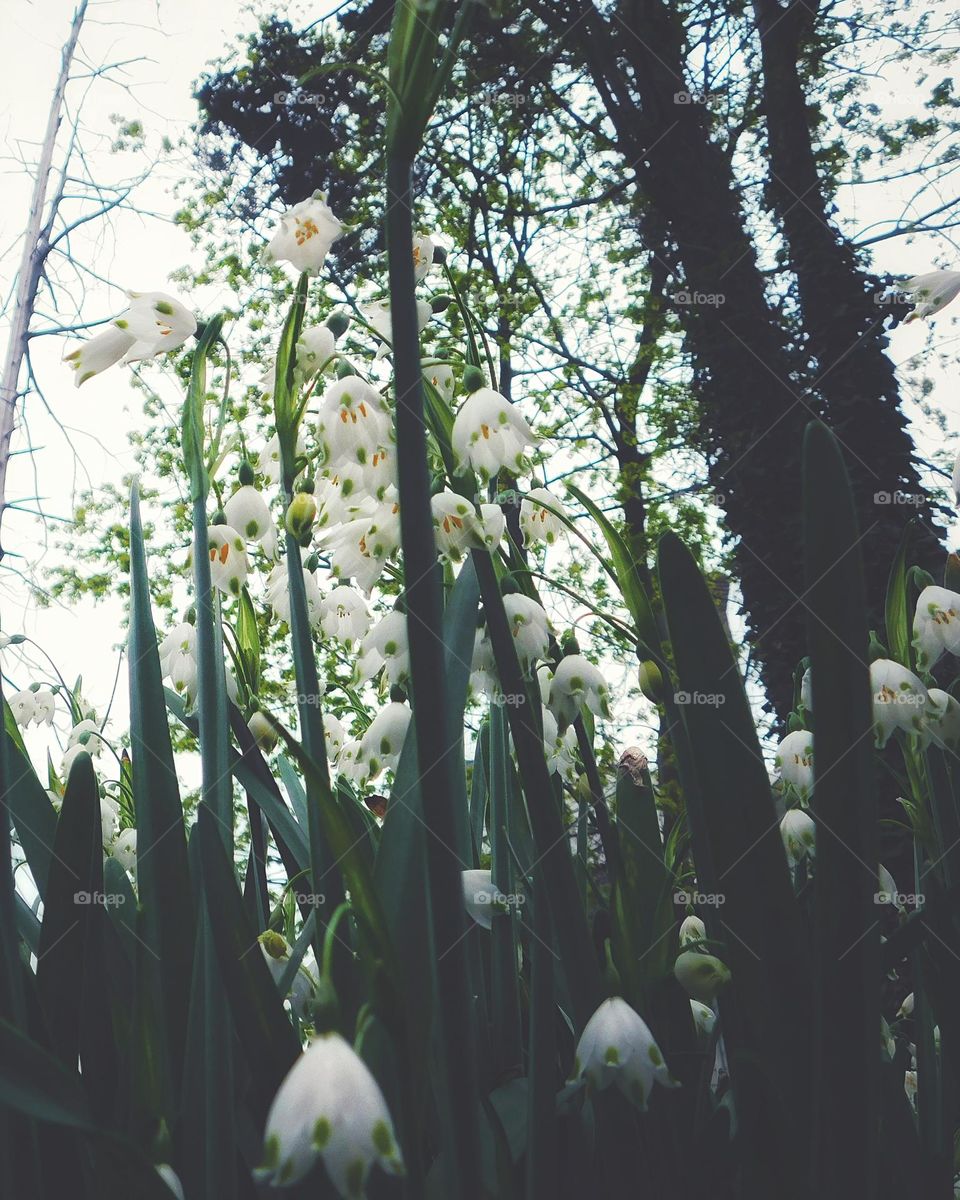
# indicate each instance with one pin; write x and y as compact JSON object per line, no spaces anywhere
{"x":174,"y":40}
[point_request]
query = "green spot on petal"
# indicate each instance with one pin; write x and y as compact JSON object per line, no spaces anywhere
{"x":321,"y":1133}
{"x":383,"y":1139}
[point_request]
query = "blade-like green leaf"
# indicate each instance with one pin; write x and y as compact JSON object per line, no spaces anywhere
{"x":847,"y":943}
{"x":163,"y":874}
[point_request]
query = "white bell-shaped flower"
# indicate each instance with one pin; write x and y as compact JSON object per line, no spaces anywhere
{"x":941,"y":725}
{"x":278,"y":593}
{"x":386,"y":645}
{"x":329,"y":1106}
{"x":537,"y":521}
{"x":152,"y":324}
{"x":380,"y":746}
{"x":617,"y":1047}
{"x":440,"y":375}
{"x":529,"y":626}
{"x":560,"y":748}
{"x":483,"y":667}
{"x":315,"y":350}
{"x":492,"y":525}
{"x":577,"y":682}
{"x":936,"y":625}
{"x":350,"y":764}
{"x":692,"y":929}
{"x":489,"y":433}
{"x":352,"y":422}
{"x":86,"y":734}
{"x":794,"y":761}
{"x":228,"y":559}
{"x":378,"y":316}
{"x":247,"y":512}
{"x":359,"y":549}
{"x":109,"y":819}
{"x":704,"y":1018}
{"x":124,"y":850}
{"x":334,"y":734}
{"x":181,"y":639}
{"x":900,"y":700}
{"x":423,"y":250}
{"x":306,"y":233}
{"x":931,"y":291}
{"x":276,"y":953}
{"x":479,"y":896}
{"x":99,"y":352}
{"x":344,"y":615}
{"x":455,"y":526}
{"x":799,"y":835}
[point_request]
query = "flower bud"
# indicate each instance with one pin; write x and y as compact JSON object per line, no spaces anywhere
{"x":473,"y":379}
{"x":700,"y":975}
{"x":263,"y":732}
{"x":439,"y":304}
{"x":301,"y":515}
{"x":338,"y":322}
{"x":245,"y":474}
{"x":650,"y":679}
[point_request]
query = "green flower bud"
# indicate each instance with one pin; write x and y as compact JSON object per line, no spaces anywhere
{"x":301,"y":515}
{"x":473,"y":379}
{"x":651,"y":680}
{"x":338,"y":322}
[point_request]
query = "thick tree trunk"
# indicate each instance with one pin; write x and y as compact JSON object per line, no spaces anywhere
{"x":841,"y":317}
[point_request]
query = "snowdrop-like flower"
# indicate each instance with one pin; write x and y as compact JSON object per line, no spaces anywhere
{"x":906,"y":1008}
{"x":378,"y":316}
{"x":441,"y":375}
{"x":386,"y":645}
{"x":491,"y":526}
{"x":86,"y":734}
{"x":454,"y":525}
{"x":704,"y":1018}
{"x":360,"y":548}
{"x":900,"y":700}
{"x":936,"y":625}
{"x":528,"y":624}
{"x":152,"y":324}
{"x":483,"y":667}
{"x":799,"y":835}
{"x":350,"y":764}
{"x":931,"y":292}
{"x":617,"y":1047}
{"x":181,"y":670}
{"x":344,"y":615}
{"x":315,"y":350}
{"x":942,"y":724}
{"x":577,"y":682}
{"x":380,"y":746}
{"x":278,"y":593}
{"x":333,"y":734}
{"x":538,"y":523}
{"x":888,"y":892}
{"x":479,"y":894}
{"x":247,"y":512}
{"x":44,"y":703}
{"x":794,"y":761}
{"x":423,"y":249}
{"x":560,"y":748}
{"x":268,"y":459}
{"x":489,"y":433}
{"x":124,"y":850}
{"x":700,"y":975}
{"x":329,"y":1106}
{"x":692,"y":929}
{"x":262,"y":732}
{"x":23,"y":706}
{"x":352,"y":422}
{"x":171,"y":1179}
{"x":228,"y":559}
{"x":306,"y":233}
{"x":276,"y":953}
{"x":182,"y":639}
{"x":109,"y":818}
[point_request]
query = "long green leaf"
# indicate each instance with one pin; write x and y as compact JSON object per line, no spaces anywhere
{"x":847,"y":945}
{"x":163,"y":873}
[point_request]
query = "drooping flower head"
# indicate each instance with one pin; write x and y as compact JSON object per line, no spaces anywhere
{"x":900,"y":700}
{"x":936,"y":625}
{"x":306,"y":233}
{"x":617,"y":1047}
{"x":153,"y":324}
{"x":537,"y":517}
{"x":489,"y":433}
{"x":931,"y":292}
{"x":794,"y":761}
